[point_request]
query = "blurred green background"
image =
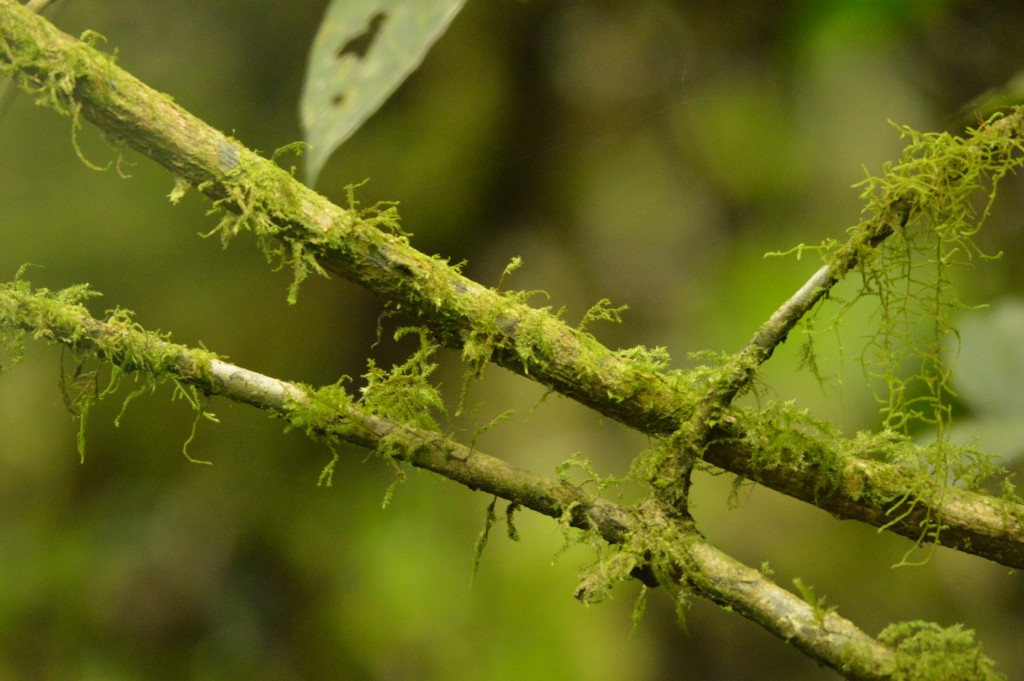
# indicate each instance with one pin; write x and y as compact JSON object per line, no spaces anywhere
{"x":648,"y":152}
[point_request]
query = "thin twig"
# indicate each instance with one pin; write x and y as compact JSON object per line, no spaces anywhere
{"x":38,"y":6}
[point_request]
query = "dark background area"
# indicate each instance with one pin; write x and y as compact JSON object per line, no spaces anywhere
{"x":650,"y":153}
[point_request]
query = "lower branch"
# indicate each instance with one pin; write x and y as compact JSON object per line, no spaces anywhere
{"x":815,"y":630}
{"x":685,"y":559}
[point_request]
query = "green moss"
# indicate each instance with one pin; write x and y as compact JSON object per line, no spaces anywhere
{"x":910,"y":274}
{"x":656,"y":553}
{"x":481,"y":541}
{"x":197,"y":401}
{"x":327,"y":472}
{"x":602,"y":310}
{"x":921,"y":223}
{"x":590,"y":475}
{"x":497,"y":323}
{"x":404,"y":394}
{"x":51,"y":77}
{"x":926,"y":651}
{"x":107,"y":351}
{"x":639,"y":607}
{"x":812,"y":599}
{"x":480,"y":430}
{"x":647,"y":359}
{"x":490,"y":518}
{"x":514,"y":264}
{"x":248,"y":205}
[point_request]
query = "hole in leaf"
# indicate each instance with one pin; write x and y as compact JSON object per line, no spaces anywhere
{"x":338,"y":99}
{"x":360,"y":44}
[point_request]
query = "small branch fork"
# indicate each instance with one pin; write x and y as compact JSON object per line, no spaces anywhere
{"x":743,"y":366}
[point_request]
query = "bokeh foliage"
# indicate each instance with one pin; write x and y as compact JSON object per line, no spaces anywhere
{"x":646,"y":153}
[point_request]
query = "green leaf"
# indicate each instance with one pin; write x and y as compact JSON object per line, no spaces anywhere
{"x":990,"y":367}
{"x":988,"y":377}
{"x":362,"y":53}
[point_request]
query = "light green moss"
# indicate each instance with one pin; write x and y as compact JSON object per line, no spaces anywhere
{"x":107,"y":352}
{"x":927,"y":652}
{"x":921,"y":225}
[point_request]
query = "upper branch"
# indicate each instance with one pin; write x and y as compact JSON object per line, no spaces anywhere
{"x":80,"y":81}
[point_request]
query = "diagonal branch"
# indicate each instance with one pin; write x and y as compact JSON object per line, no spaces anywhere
{"x":693,"y":565}
{"x":744,"y":364}
{"x":79,"y":81}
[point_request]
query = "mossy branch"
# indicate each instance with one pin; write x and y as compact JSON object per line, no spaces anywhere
{"x":935,"y":181}
{"x":329,"y":413}
{"x":662,"y":549}
{"x":81,"y":82}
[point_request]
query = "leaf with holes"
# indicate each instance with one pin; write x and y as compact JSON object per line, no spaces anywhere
{"x":362,"y":53}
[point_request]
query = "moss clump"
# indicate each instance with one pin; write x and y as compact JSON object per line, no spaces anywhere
{"x":926,"y":651}
{"x":656,"y":553}
{"x":910,"y":274}
{"x":404,"y":394}
{"x":108,"y":350}
{"x":921,"y":225}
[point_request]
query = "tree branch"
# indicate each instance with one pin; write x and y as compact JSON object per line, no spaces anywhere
{"x":691,"y":563}
{"x":79,"y":81}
